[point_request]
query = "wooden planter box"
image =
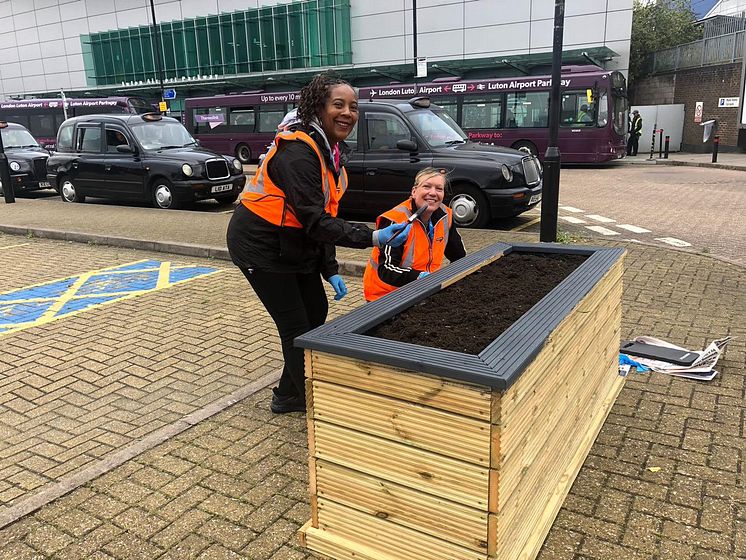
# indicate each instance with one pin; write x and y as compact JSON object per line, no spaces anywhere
{"x":428,"y":454}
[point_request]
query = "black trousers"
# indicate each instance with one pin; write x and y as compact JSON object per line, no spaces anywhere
{"x":297,"y":304}
{"x":632,"y":144}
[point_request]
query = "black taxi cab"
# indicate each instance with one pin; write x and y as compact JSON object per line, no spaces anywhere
{"x":26,"y":158}
{"x":144,"y":157}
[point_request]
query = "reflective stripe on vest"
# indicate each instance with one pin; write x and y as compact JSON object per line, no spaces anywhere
{"x":420,"y":252}
{"x":267,"y":200}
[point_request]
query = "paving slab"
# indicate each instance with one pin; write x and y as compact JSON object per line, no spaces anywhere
{"x":664,"y":480}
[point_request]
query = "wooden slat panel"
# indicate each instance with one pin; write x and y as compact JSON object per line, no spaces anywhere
{"x":469,"y":400}
{"x":389,"y":539}
{"x":414,"y":509}
{"x":427,"y":428}
{"x":448,"y":478}
{"x":332,"y":546}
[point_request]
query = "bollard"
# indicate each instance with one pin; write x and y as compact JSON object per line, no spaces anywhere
{"x":715,"y":148}
{"x":665,"y":153}
{"x":8,"y":193}
{"x":652,"y":141}
{"x":660,"y":143}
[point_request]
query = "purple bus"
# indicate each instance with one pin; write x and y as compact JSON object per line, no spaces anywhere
{"x":240,"y":124}
{"x":514,"y":112}
{"x":43,"y":117}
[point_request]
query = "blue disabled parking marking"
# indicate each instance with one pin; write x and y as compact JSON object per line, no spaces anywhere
{"x":33,"y":306}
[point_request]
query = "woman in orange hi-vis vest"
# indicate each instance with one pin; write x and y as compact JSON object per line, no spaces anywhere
{"x":283,"y":233}
{"x":433,"y":236}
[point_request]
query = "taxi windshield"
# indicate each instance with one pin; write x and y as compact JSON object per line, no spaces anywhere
{"x":161,"y":135}
{"x":437,"y":127}
{"x":18,"y":138}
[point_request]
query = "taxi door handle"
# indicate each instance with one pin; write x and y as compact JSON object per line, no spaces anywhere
{"x":371,"y":171}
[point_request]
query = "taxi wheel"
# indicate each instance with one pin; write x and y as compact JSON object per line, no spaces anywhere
{"x":163,"y":195}
{"x":469,"y":206}
{"x":68,"y":192}
{"x":243,"y":153}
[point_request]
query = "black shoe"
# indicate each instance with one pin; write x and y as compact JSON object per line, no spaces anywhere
{"x":282,"y":404}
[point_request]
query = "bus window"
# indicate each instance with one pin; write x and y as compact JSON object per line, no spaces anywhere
{"x":18,"y":119}
{"x":241,"y":119}
{"x":527,"y":110}
{"x":42,"y":125}
{"x":449,"y":104}
{"x":482,"y":112}
{"x":603,"y":110}
{"x":576,"y":110}
{"x":209,"y":120}
{"x":138,"y":105}
{"x":65,"y":139}
{"x":269,"y":117}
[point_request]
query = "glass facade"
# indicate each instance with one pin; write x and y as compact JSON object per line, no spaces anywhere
{"x":303,"y":34}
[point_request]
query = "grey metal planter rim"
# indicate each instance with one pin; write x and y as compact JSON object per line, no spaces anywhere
{"x":499,"y":365}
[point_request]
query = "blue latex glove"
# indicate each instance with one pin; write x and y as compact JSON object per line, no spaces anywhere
{"x":388,"y":235}
{"x":339,"y":286}
{"x":423,"y":274}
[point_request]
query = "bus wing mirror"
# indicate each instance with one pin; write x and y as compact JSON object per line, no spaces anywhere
{"x":407,"y":145}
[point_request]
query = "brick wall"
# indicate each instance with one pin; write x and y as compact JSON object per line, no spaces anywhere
{"x":654,"y":90}
{"x":707,"y":84}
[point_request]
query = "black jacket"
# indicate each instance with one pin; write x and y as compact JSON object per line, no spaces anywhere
{"x":255,"y":243}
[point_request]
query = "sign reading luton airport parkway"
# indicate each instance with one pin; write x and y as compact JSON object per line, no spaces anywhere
{"x":467,"y":86}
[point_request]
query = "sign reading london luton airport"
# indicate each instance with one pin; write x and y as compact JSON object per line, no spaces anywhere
{"x":465,"y":87}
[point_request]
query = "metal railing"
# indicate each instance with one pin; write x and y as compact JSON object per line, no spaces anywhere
{"x":705,"y":52}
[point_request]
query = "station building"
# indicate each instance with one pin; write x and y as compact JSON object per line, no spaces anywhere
{"x":108,"y":47}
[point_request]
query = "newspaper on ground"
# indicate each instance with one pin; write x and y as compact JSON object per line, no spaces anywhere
{"x":703,"y":368}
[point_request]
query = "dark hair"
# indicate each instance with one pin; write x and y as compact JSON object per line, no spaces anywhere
{"x":313,"y":95}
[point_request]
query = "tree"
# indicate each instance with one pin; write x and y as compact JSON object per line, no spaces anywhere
{"x":658,"y":25}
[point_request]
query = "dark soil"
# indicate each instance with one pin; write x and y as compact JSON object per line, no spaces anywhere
{"x":468,"y":315}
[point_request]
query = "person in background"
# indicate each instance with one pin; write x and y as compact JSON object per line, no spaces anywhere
{"x":433,"y":236}
{"x":635,"y":130}
{"x":583,"y":115}
{"x":282,"y":235}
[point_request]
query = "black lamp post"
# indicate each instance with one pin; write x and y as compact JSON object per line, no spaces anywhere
{"x":550,"y":198}
{"x":8,"y":193}
{"x":158,"y":54}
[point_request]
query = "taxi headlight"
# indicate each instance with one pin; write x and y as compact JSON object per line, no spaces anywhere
{"x":237,"y":165}
{"x":15,"y":166}
{"x":507,"y":173}
{"x":187,"y":170}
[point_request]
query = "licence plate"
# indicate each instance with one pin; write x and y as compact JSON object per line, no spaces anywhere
{"x":221,"y":188}
{"x":534,"y":199}
{"x":44,"y":184}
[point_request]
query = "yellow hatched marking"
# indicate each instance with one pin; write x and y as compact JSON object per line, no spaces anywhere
{"x":13,"y":246}
{"x":527,"y":224}
{"x":64,"y":298}
{"x":44,"y":319}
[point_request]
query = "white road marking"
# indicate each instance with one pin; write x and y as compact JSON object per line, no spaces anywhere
{"x":602,"y":230}
{"x":571,"y":209}
{"x":602,"y":219}
{"x":572,"y":219}
{"x":673,"y":241}
{"x":633,"y":229}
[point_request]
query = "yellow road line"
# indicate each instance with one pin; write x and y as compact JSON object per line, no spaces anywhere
{"x":164,"y":273}
{"x":64,"y":298}
{"x":527,"y":224}
{"x":13,"y":246}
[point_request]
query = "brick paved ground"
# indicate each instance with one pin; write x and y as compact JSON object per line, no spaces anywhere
{"x":234,"y":485}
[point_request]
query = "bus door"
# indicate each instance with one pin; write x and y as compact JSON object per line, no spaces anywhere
{"x":124,"y":171}
{"x":578,"y":130}
{"x":389,"y":172}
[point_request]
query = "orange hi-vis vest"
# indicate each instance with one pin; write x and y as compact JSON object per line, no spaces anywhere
{"x":420,"y":252}
{"x":267,"y":200}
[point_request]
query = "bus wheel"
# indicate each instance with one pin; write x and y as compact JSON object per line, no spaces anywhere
{"x":163,"y":195}
{"x":526,"y":146}
{"x":68,"y":192}
{"x":469,"y":206}
{"x":243,"y":153}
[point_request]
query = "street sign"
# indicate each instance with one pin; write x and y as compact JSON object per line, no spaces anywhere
{"x":162,"y":106}
{"x":169,"y":93}
{"x":728,"y":101}
{"x":421,"y":67}
{"x":698,"y":110}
